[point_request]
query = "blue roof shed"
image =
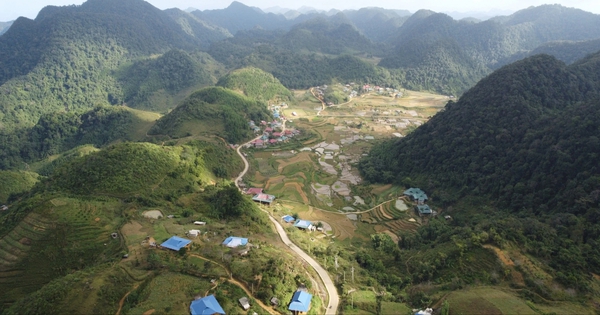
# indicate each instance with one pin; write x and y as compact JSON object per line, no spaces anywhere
{"x":303,"y":224}
{"x":175,"y":243}
{"x":206,"y":306}
{"x":234,"y":241}
{"x":300,"y":301}
{"x":288,"y":218}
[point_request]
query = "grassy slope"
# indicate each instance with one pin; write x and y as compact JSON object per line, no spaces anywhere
{"x":256,"y":83}
{"x":15,"y":182}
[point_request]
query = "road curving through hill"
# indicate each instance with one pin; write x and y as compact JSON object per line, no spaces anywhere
{"x":334,"y":298}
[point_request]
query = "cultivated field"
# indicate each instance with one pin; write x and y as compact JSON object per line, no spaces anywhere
{"x":320,"y":170}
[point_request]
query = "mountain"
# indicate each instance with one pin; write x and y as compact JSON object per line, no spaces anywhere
{"x":159,"y":83}
{"x":238,"y":16}
{"x":4,"y":26}
{"x":335,"y":35}
{"x":377,"y":24}
{"x":525,"y":140}
{"x":257,"y":84}
{"x":566,"y":51}
{"x":59,"y":131}
{"x":65,"y":56}
{"x":472,"y":49}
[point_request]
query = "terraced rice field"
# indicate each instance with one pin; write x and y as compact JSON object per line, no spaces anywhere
{"x":387,"y":215}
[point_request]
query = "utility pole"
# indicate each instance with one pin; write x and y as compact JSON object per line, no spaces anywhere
{"x":353,"y":274}
{"x":336,"y":263}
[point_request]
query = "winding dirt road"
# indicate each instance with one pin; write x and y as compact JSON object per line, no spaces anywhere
{"x":334,"y":298}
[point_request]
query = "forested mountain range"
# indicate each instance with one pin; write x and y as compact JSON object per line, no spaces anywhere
{"x":525,"y":137}
{"x":427,"y":50}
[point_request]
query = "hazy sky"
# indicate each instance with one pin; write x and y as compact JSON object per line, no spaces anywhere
{"x":10,"y":10}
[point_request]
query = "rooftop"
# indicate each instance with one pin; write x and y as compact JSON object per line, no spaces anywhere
{"x":175,"y":243}
{"x":303,"y":224}
{"x":234,"y":241}
{"x":288,"y":218}
{"x":416,"y":194}
{"x":264,"y":198}
{"x":300,"y":301}
{"x":424,"y":209}
{"x":206,"y":306}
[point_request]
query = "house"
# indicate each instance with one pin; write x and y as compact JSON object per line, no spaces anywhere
{"x":176,"y":243}
{"x":234,"y":241}
{"x":303,"y":224}
{"x":245,"y":303}
{"x":194,"y":233}
{"x":300,"y":302}
{"x":4,"y":208}
{"x":294,"y":114}
{"x":199,"y":223}
{"x":288,"y":219}
{"x":424,"y":209}
{"x":276,"y":134}
{"x":264,"y":198}
{"x":258,"y":143}
{"x":254,"y":191}
{"x":273,"y":141}
{"x":206,"y":306}
{"x":416,"y":194}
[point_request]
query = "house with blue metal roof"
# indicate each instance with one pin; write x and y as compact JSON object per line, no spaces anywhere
{"x":234,"y":241}
{"x":206,"y":306}
{"x":303,"y":224}
{"x":288,"y":218}
{"x":416,"y":194}
{"x":424,"y":209}
{"x":175,"y":243}
{"x":300,"y":302}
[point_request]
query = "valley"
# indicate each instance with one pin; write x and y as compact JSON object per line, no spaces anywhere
{"x":239,"y":161}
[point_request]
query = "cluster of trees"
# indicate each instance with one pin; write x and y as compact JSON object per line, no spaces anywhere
{"x":525,"y":138}
{"x":61,"y":131}
{"x":172,"y":73}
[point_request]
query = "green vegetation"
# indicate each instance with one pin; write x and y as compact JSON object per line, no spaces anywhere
{"x":15,"y":182}
{"x":256,"y":84}
{"x":214,"y":111}
{"x":58,"y":132}
{"x":523,"y":138}
{"x":167,"y":75}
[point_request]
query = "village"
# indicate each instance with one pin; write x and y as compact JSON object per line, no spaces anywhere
{"x":302,"y":172}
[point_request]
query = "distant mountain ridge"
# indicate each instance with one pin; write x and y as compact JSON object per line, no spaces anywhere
{"x":4,"y":26}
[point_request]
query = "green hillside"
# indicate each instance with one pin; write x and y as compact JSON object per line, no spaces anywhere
{"x":160,"y":83}
{"x":59,"y":131}
{"x":48,"y":236}
{"x":119,"y":171}
{"x":445,"y":55}
{"x":523,"y":138}
{"x":67,"y":55}
{"x":256,"y":84}
{"x":213,"y":111}
{"x":14,"y":182}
